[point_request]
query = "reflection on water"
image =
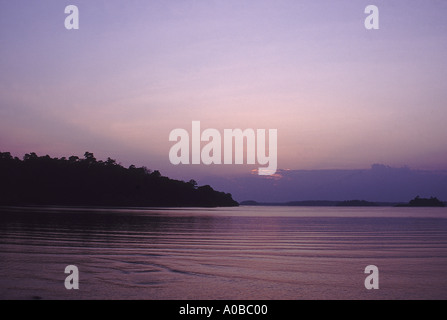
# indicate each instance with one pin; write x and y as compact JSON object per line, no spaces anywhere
{"x":232,"y":253}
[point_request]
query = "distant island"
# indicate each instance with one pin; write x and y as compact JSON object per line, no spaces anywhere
{"x":320,"y":203}
{"x":75,"y":181}
{"x":357,"y":203}
{"x":310,"y":203}
{"x":417,"y":202}
{"x":423,"y":202}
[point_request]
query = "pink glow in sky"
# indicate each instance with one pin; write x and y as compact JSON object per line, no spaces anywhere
{"x":340,"y":96}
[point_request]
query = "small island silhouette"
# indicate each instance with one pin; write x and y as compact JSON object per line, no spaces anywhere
{"x":88,"y":182}
{"x":423,"y":202}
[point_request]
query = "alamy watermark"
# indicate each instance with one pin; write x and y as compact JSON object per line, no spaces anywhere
{"x":72,"y":20}
{"x":188,"y":149}
{"x":72,"y":280}
{"x":372,"y":20}
{"x":372,"y":280}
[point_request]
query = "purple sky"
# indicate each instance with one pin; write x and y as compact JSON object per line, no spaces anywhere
{"x":340,"y":96}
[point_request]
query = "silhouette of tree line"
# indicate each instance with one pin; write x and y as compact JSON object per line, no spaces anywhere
{"x":90,"y":182}
{"x":426,"y":202}
{"x":357,"y":203}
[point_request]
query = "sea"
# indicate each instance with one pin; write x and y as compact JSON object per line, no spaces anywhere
{"x":240,"y":253}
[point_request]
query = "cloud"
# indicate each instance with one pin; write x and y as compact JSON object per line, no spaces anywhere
{"x":379,"y":183}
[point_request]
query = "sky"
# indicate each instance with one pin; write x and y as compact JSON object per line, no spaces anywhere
{"x":339,"y":95}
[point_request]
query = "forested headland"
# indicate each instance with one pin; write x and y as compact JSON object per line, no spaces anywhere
{"x":74,"y":181}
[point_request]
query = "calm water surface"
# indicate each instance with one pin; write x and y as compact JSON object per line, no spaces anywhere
{"x":235,"y":253}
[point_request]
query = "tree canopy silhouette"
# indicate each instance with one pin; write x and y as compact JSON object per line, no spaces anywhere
{"x":424,"y":202}
{"x":90,"y":182}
